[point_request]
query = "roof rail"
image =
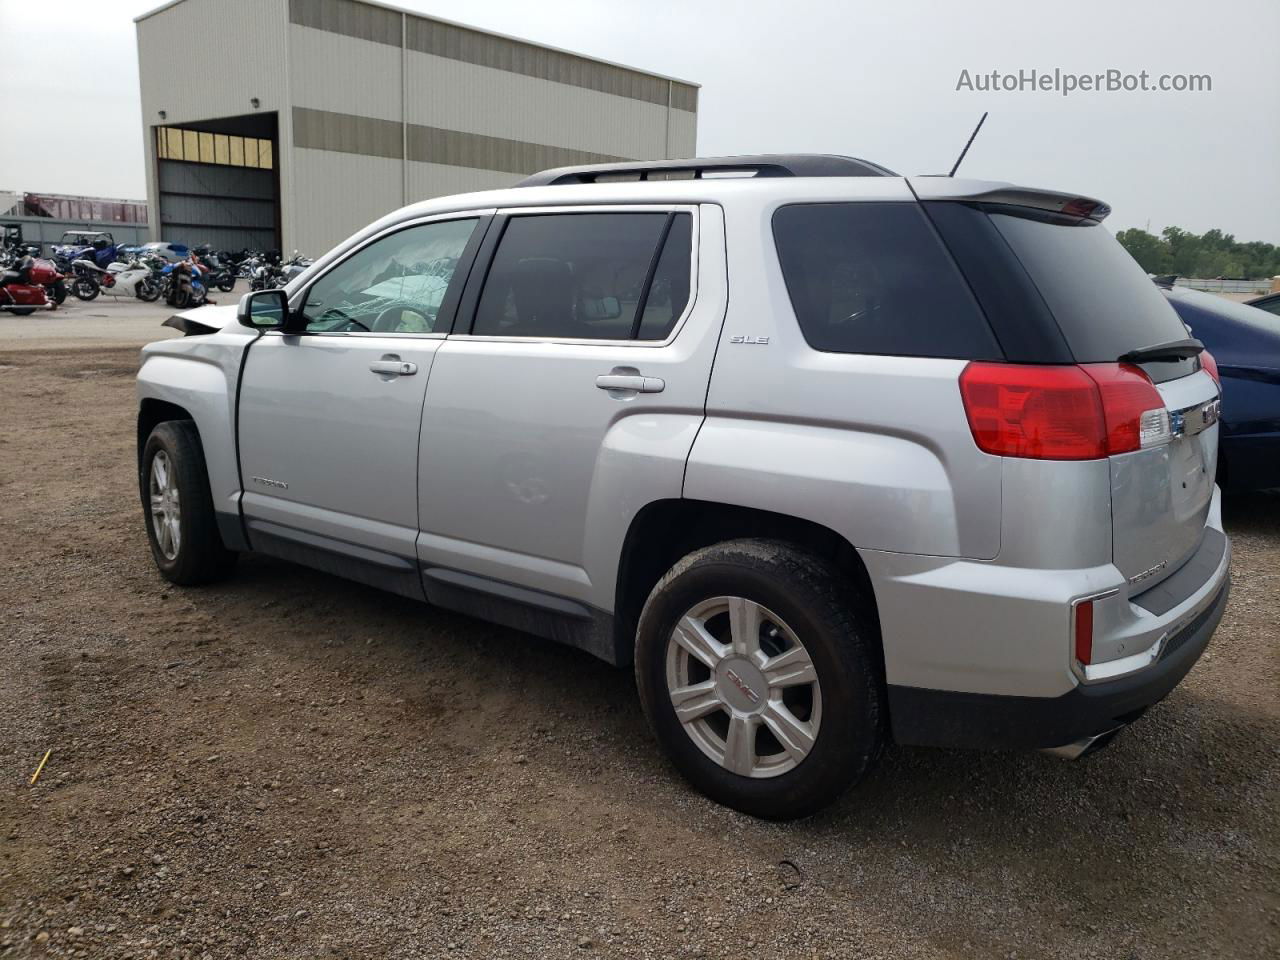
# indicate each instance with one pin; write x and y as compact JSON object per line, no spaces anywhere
{"x":759,"y":165}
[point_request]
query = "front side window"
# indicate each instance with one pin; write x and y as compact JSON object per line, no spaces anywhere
{"x":588,"y":276}
{"x":873,"y":278}
{"x":394,"y":285}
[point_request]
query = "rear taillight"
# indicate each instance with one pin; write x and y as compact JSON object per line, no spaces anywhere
{"x":1084,"y":631}
{"x":1210,"y":366}
{"x":1083,"y":412}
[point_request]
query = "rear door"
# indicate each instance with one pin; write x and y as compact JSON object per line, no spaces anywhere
{"x":329,"y":414}
{"x":573,"y":396}
{"x":1106,"y":308}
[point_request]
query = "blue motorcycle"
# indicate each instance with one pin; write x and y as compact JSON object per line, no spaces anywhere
{"x":182,"y":284}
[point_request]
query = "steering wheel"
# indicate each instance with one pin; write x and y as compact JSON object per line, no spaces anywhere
{"x":391,"y":319}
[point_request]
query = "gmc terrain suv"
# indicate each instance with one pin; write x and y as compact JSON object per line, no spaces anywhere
{"x":831,"y":455}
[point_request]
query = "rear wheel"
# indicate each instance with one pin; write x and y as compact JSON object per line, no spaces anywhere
{"x":84,"y":289}
{"x":757,"y":670}
{"x":22,"y":311}
{"x":178,"y":507}
{"x":227,"y":283}
{"x":57,"y":292}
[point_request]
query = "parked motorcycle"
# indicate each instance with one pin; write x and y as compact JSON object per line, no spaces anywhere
{"x":22,"y":287}
{"x":218,"y":272}
{"x":183,"y":285}
{"x":133,"y":278}
{"x":89,"y":279}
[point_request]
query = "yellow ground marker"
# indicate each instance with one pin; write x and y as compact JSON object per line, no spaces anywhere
{"x":36,"y":776}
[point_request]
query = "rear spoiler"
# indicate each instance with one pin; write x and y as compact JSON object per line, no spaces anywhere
{"x":1006,"y":194}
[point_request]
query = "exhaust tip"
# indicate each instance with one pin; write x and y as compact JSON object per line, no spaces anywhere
{"x":1083,"y":747}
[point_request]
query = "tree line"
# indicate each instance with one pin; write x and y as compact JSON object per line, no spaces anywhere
{"x":1209,"y":254}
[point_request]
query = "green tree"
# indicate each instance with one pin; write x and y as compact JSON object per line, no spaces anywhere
{"x":1210,"y":254}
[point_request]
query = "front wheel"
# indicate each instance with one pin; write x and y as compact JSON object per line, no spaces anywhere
{"x":148,"y":291}
{"x":84,"y":289}
{"x":178,"y":507}
{"x":757,"y":670}
{"x":226,"y":283}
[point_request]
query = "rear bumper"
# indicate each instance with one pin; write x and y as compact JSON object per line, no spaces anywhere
{"x":991,"y":721}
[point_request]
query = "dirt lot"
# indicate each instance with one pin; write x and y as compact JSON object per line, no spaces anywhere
{"x":290,"y":766}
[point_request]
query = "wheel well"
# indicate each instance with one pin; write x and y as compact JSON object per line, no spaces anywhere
{"x":153,"y":412}
{"x":667,"y":530}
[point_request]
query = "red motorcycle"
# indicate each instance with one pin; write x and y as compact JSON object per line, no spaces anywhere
{"x":22,"y":287}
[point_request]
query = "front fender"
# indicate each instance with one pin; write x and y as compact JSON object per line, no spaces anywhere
{"x":200,"y":375}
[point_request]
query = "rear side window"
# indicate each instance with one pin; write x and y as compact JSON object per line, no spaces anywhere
{"x":873,"y":278}
{"x":589,"y":276}
{"x":1103,"y":302}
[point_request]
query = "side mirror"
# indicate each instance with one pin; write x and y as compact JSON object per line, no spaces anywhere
{"x":264,"y":309}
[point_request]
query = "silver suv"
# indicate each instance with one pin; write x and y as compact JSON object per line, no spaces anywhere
{"x":833,"y":456}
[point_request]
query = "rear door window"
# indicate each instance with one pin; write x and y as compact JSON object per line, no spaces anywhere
{"x":588,"y":276}
{"x":874,"y":278}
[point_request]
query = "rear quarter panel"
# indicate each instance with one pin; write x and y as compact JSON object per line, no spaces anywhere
{"x":876,"y":448}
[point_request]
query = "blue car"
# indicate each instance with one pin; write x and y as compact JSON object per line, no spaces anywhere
{"x":1245,"y":342}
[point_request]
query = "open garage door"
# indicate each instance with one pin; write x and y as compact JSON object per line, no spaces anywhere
{"x":218,"y":183}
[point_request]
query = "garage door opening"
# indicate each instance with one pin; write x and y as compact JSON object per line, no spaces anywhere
{"x":219,"y":183}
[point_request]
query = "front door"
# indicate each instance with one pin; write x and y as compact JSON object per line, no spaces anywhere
{"x":329,"y":415}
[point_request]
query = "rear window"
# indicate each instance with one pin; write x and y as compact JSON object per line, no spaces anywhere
{"x":1102,"y":301}
{"x":873,"y":278}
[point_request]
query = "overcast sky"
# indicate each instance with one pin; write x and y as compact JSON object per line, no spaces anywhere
{"x":872,"y":79}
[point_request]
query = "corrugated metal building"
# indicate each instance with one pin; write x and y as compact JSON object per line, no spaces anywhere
{"x":293,"y":123}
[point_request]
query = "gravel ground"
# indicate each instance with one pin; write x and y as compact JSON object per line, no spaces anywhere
{"x":290,"y":766}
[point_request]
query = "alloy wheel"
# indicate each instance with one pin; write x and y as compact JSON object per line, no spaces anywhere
{"x":743,"y":687}
{"x":166,"y":512}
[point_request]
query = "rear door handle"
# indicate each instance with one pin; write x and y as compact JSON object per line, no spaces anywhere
{"x":631,"y":383}
{"x":394,"y":368}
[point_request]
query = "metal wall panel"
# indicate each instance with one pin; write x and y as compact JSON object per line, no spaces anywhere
{"x":344,"y":133}
{"x":329,"y":71}
{"x":477,"y":152}
{"x":515,"y":56}
{"x":338,"y":194}
{"x":349,"y":18}
{"x":460,"y":96}
{"x":427,"y":180}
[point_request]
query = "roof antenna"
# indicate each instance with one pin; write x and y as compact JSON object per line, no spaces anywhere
{"x":972,"y":136}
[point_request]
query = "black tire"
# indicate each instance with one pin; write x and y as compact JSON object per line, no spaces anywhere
{"x":227,"y":283}
{"x":57,"y":292}
{"x":837,"y":629}
{"x":21,"y":311}
{"x":148,"y":291}
{"x":84,"y":289}
{"x":200,"y":556}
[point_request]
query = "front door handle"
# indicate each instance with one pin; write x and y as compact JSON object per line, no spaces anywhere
{"x":394,"y":368}
{"x":630,"y":383}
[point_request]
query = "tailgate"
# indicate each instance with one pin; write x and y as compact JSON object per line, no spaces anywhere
{"x":1160,"y":496}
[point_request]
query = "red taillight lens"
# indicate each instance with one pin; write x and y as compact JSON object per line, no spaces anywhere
{"x":1062,"y":412}
{"x":1132,"y":406}
{"x":1084,"y":631}
{"x":1210,"y":366}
